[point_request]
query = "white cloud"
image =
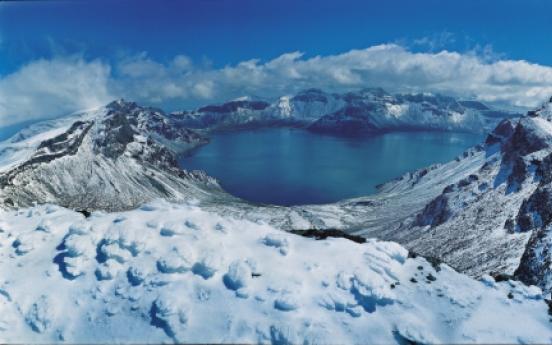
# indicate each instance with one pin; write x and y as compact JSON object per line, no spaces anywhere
{"x":436,"y":41}
{"x":51,"y":88}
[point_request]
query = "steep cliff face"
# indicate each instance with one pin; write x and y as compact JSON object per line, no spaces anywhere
{"x":535,"y":214}
{"x":113,"y":158}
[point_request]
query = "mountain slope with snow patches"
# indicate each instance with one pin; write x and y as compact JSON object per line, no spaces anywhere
{"x":176,"y":273}
{"x":111,"y":158}
{"x":491,"y":217}
{"x":369,"y":110}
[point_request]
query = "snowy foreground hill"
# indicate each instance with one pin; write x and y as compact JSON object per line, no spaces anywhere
{"x":176,"y":273}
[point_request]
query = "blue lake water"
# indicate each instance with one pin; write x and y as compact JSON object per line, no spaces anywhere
{"x":294,"y":167}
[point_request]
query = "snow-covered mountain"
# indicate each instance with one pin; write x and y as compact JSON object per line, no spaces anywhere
{"x":486,"y":212}
{"x":354,"y":112}
{"x":118,"y":156}
{"x":368,"y":111}
{"x":248,"y":112}
{"x":111,"y":158}
{"x":168,"y":273}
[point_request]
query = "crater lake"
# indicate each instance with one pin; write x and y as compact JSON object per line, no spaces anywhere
{"x":287,"y":167}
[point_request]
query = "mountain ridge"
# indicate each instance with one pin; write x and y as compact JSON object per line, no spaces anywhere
{"x":112,"y":158}
{"x":365,"y":111}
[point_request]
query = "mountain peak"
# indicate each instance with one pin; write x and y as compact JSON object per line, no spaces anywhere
{"x":544,"y":111}
{"x":112,"y":158}
{"x":121,"y":105}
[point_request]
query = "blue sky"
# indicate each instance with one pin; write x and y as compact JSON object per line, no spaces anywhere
{"x":61,"y":56}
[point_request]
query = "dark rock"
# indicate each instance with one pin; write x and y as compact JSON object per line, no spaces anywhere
{"x":230,"y":107}
{"x":85,"y":213}
{"x":435,"y":213}
{"x":117,"y":135}
{"x":320,"y":234}
{"x":501,"y":133}
{"x":450,"y":188}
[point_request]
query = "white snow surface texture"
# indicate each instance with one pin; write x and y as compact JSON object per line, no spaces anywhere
{"x":175,"y":273}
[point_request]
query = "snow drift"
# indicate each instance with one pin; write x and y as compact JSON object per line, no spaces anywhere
{"x":120,"y":278}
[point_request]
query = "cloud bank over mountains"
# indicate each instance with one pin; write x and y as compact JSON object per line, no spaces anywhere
{"x":45,"y":89}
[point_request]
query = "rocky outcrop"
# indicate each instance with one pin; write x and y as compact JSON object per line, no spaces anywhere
{"x":353,"y":119}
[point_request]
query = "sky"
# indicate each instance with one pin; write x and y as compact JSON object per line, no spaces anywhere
{"x":57,"y":57}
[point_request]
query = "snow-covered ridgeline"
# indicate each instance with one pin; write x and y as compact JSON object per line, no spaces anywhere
{"x":112,"y":158}
{"x":365,"y":111}
{"x":20,"y":147}
{"x":173,"y":272}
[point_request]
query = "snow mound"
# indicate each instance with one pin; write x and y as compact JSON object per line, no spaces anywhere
{"x":238,"y":276}
{"x":45,"y":225}
{"x":179,"y":260}
{"x":41,"y":314}
{"x":26,"y":242}
{"x":117,"y":277}
{"x":170,"y":314}
{"x":279,"y":241}
{"x":416,"y":333}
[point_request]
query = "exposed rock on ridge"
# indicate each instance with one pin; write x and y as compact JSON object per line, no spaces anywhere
{"x":114,"y":158}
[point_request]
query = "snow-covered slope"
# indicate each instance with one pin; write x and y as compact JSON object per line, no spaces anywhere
{"x":111,"y":158}
{"x":354,"y":112}
{"x":477,"y":212}
{"x":175,"y":273}
{"x":491,"y":212}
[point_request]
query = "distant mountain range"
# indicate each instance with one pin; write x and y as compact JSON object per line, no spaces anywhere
{"x":366,"y":111}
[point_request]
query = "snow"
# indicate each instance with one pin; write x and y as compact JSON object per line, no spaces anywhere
{"x":542,"y":125}
{"x":19,"y":148}
{"x":117,"y":278}
{"x":14,"y":154}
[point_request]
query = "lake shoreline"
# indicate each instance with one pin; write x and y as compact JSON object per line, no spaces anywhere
{"x":290,"y":167}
